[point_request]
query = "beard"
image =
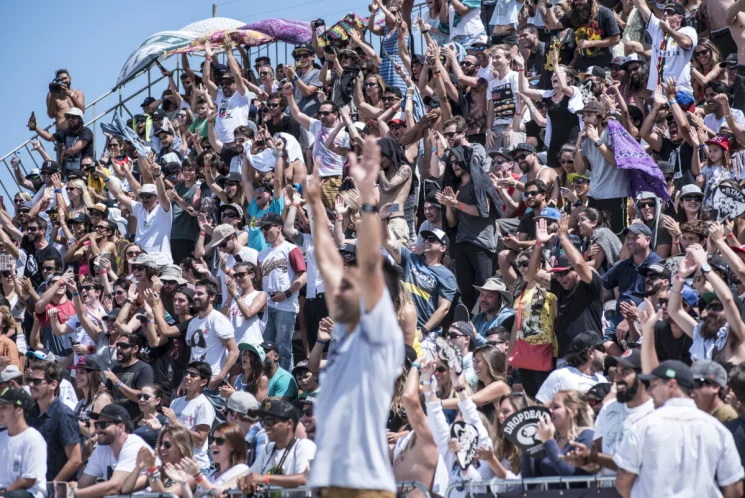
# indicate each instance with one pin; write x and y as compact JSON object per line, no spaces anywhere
{"x":580,"y":16}
{"x":638,"y":81}
{"x":654,"y":290}
{"x":524,"y":167}
{"x":630,"y":393}
{"x":712,"y":325}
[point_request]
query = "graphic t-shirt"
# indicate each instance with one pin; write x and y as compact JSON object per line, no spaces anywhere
{"x":614,"y":420}
{"x":294,"y":460}
{"x":427,"y":285}
{"x":668,"y":58}
{"x":205,"y":336}
{"x":255,"y":237}
{"x":192,"y":413}
{"x":503,"y":96}
{"x":231,"y":113}
{"x":136,"y":376}
{"x":279,"y":267}
{"x":602,"y":27}
{"x":68,"y":138}
{"x":24,"y":456}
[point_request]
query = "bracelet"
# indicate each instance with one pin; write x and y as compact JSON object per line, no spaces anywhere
{"x":460,"y":206}
{"x":538,"y":244}
{"x":118,"y":384}
{"x":155,"y":476}
{"x":209,"y":58}
{"x":318,"y":341}
{"x":196,"y":476}
{"x":296,"y":205}
{"x":202,"y":234}
{"x":368,"y":208}
{"x":152,"y":470}
{"x":437,"y":74}
{"x":702,"y":146}
{"x":295,"y":78}
{"x":58,"y":191}
{"x":128,"y":301}
{"x":338,"y":218}
{"x":106,"y":180}
{"x":199,"y":479}
{"x":266,"y":479}
{"x":671,"y":102}
{"x":460,"y":389}
{"x":156,"y":176}
{"x":731,"y":236}
{"x":521,"y":70}
{"x":75,"y":294}
{"x":416,"y":365}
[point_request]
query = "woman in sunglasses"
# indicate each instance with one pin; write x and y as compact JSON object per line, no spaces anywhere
{"x":244,"y":303}
{"x":119,"y":292}
{"x":705,"y":66}
{"x":88,"y":378}
{"x":151,"y":418}
{"x":369,"y":96}
{"x":229,"y":451}
{"x":130,"y":252}
{"x":80,"y":198}
{"x":172,"y":446}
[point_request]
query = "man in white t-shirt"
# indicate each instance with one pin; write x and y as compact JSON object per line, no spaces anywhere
{"x":210,"y":334}
{"x":716,"y":94}
{"x":283,"y":274}
{"x":328,"y":160}
{"x":23,"y":451}
{"x":285,"y":459}
{"x":194,"y":411}
{"x":115,"y":456}
{"x":585,"y":357}
{"x":153,"y":213}
{"x":232,"y":99}
{"x":672,"y":45}
{"x":225,"y":239}
{"x":501,"y":97}
{"x":368,"y":355}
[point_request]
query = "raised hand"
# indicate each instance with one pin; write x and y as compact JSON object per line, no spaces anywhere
{"x":325,"y":326}
{"x":208,"y":49}
{"x":671,"y":88}
{"x":339,"y":207}
{"x":365,"y":172}
{"x":541,"y":232}
{"x":518,"y":58}
{"x":546,"y":429}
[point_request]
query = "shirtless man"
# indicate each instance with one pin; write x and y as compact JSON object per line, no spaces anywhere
{"x":59,"y":103}
{"x":415,"y":455}
{"x":723,"y":34}
{"x":394,"y":181}
{"x":735,"y":21}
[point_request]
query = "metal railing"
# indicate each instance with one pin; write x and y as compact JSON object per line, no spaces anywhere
{"x":403,"y":489}
{"x":560,"y":484}
{"x":282,"y":53}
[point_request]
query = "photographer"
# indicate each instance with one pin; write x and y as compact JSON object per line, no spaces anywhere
{"x":61,"y":98}
{"x":75,"y":140}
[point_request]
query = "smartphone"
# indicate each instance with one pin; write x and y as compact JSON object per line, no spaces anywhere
{"x":61,"y":489}
{"x":394,"y":208}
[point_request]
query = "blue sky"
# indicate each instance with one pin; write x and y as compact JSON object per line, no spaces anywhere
{"x":92,"y":39}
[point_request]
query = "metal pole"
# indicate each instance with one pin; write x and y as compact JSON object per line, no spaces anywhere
{"x":214,"y":10}
{"x":12,"y":175}
{"x":32,"y":158}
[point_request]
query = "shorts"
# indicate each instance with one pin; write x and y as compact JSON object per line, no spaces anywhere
{"x":400,"y":230}
{"x":329,"y":190}
{"x":508,"y":39}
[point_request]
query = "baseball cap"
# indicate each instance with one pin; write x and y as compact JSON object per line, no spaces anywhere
{"x":691,"y":190}
{"x":16,"y":396}
{"x":149,"y":189}
{"x":431,"y":100}
{"x":730,"y":61}
{"x":638,"y":229}
{"x":9,"y":373}
{"x":279,"y":408}
{"x":464,"y":328}
{"x":159,"y":113}
{"x":666,"y":166}
{"x":242,"y":402}
{"x":219,"y":234}
{"x":49,"y":166}
{"x":480,"y":40}
{"x":233,"y":206}
{"x":496,"y":285}
{"x":584,"y":340}
{"x":32,"y":173}
{"x":233,"y":176}
{"x":74,"y":112}
{"x":677,"y":8}
{"x":80,"y":218}
{"x":562,"y":264}
{"x":147,"y":101}
{"x":523,"y":146}
{"x":140,"y":117}
{"x":716,"y":261}
{"x":631,"y":358}
{"x":593,"y":106}
{"x":719,"y":140}
{"x":348,"y":248}
{"x":655,"y":269}
{"x":671,"y":369}
{"x":631,"y":59}
{"x":257,"y":350}
{"x":549,"y":213}
{"x":172,"y":273}
{"x":704,"y":370}
{"x":88,"y":362}
{"x":302,"y":365}
{"x":117,"y":413}
{"x":41,"y":354}
{"x":100,"y":207}
{"x":270,"y":219}
{"x":437,"y":233}
{"x":594,"y":71}
{"x":112,"y":315}
{"x":270,"y":346}
{"x":303,"y":47}
{"x":160,"y":131}
{"x":619,"y":60}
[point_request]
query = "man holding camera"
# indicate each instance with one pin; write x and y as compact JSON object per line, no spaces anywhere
{"x":73,"y":142}
{"x":61,"y":98}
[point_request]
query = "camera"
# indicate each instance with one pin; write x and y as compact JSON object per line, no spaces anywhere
{"x":317,"y":22}
{"x":329,"y":49}
{"x":57,"y":85}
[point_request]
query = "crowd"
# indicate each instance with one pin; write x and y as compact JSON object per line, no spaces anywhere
{"x":317,"y":274}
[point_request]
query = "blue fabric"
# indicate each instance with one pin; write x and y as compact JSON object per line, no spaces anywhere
{"x":59,"y":427}
{"x":255,"y":237}
{"x":280,"y":326}
{"x":552,"y":464}
{"x":256,"y":440}
{"x":389,"y":44}
{"x":625,"y":276}
{"x":483,"y":324}
{"x":426,"y":285}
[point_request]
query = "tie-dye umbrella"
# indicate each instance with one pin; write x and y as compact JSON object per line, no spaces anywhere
{"x":245,"y":37}
{"x":286,"y":30}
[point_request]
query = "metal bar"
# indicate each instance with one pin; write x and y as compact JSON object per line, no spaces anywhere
{"x":8,"y":193}
{"x":32,"y":158}
{"x":12,"y":173}
{"x":470,"y":487}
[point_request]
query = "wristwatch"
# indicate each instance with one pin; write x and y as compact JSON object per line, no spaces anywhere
{"x":706,"y":268}
{"x":597,"y":143}
{"x":288,"y":293}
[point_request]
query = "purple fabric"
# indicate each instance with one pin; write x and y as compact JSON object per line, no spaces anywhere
{"x":287,"y":30}
{"x":644,"y":175}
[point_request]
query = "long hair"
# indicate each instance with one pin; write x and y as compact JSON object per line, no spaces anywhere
{"x":575,"y":17}
{"x":235,"y":437}
{"x":181,"y":439}
{"x":576,"y":403}
{"x":380,"y":83}
{"x":600,"y":218}
{"x":95,"y":378}
{"x":124,"y":269}
{"x":85,"y":197}
{"x":251,"y":268}
{"x":257,"y":370}
{"x":403,"y":299}
{"x":496,"y":364}
{"x":502,"y":447}
{"x":9,"y":323}
{"x":716,"y":55}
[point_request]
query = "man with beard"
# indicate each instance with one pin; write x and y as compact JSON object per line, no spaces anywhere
{"x":125,"y":380}
{"x":595,"y":31}
{"x":76,"y":140}
{"x":232,"y":98}
{"x":230,"y":154}
{"x":454,"y":131}
{"x":717,"y":99}
{"x":709,"y":387}
{"x":140,"y":126}
{"x":634,"y":88}
{"x":210,"y":334}
{"x":474,"y":87}
{"x":678,"y":147}
{"x":617,"y":416}
{"x":532,"y":49}
{"x":495,"y":307}
{"x":585,"y":363}
{"x":278,"y":121}
{"x":672,"y":45}
{"x":281,"y":382}
{"x":677,"y":428}
{"x":394,"y":183}
{"x":230,"y":250}
{"x":596,"y":75}
{"x":194,"y":411}
{"x":722,"y":331}
{"x":115,"y":455}
{"x":34,"y":244}
{"x":649,"y":211}
{"x":307,"y":417}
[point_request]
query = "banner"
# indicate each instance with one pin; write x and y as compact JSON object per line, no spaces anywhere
{"x":342,"y":29}
{"x":286,"y":30}
{"x":245,"y":37}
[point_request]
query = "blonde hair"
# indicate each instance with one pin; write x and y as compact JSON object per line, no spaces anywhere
{"x":9,"y":323}
{"x":381,"y":86}
{"x":85,"y":196}
{"x":181,"y":440}
{"x":576,"y":404}
{"x":503,"y":448}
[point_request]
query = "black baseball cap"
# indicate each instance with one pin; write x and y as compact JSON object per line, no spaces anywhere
{"x":159,"y":113}
{"x":655,"y":269}
{"x":279,"y":408}
{"x":270,"y":219}
{"x":117,"y":413}
{"x":584,"y":340}
{"x":49,"y":166}
{"x":671,"y":369}
{"x":523,"y":146}
{"x":631,"y":358}
{"x":270,"y":346}
{"x":676,"y":7}
{"x":147,"y":101}
{"x":16,"y":396}
{"x":88,"y":362}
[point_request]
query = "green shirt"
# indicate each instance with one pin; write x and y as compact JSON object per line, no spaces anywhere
{"x":282,"y":384}
{"x":200,"y":125}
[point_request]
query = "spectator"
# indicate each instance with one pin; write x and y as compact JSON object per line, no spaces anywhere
{"x":55,"y":421}
{"x":194,"y":411}
{"x":678,"y":426}
{"x":37,"y":250}
{"x":281,"y":382}
{"x":125,"y":380}
{"x":62,"y":98}
{"x":717,"y":98}
{"x":283,"y":273}
{"x":245,"y":303}
{"x":76,"y":141}
{"x":22,"y":448}
{"x":230,"y":249}
{"x":495,"y":307}
{"x":241,"y":410}
{"x":150,"y":420}
{"x":115,"y":456}
{"x":252,"y":378}
{"x":229,"y":450}
{"x":232,"y":99}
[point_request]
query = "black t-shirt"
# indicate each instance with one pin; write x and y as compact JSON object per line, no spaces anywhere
{"x":533,"y":130}
{"x":602,"y":27}
{"x":580,"y":310}
{"x":180,"y":353}
{"x":286,"y":125}
{"x":681,"y":157}
{"x":670,"y":348}
{"x":231,"y":157}
{"x":159,"y":360}
{"x":737,"y":428}
{"x":68,"y":138}
{"x":34,"y":259}
{"x":527,"y":224}
{"x":135,"y":376}
{"x":565,"y":44}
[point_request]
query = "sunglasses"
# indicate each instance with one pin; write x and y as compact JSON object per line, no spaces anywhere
{"x":323,"y":114}
{"x":307,"y":413}
{"x":441,"y":369}
{"x":102,"y":425}
{"x":432,"y":240}
{"x":235,"y":184}
{"x":240,"y":275}
{"x":562,"y":273}
{"x":499,"y":162}
{"x":701,"y":52}
{"x":532,"y":193}
{"x":389,"y":98}
{"x":132,"y":254}
{"x":273,"y":106}
{"x":264,"y":73}
{"x":17,"y":201}
{"x":86,"y":288}
{"x":266,"y":228}
{"x":138,"y":268}
{"x":691,"y":198}
{"x":455,"y":335}
{"x":101,"y":228}
{"x":219,"y":441}
{"x":520,"y":157}
{"x":643,"y":205}
{"x":566,"y":161}
{"x":166,"y":444}
{"x":269,"y":421}
{"x":303,"y":56}
{"x":715,"y":307}
{"x":146,"y":196}
{"x":144,"y":396}
{"x":524,"y":264}
{"x":223,"y":245}
{"x":480,"y":48}
{"x":49,"y":268}
{"x":229,"y":215}
{"x":32,"y":229}
{"x":580,"y":181}
{"x":467,"y":64}
{"x":700,"y":382}
{"x":190,"y":373}
{"x":35,"y":382}
{"x":123,"y":345}
{"x":6,"y":274}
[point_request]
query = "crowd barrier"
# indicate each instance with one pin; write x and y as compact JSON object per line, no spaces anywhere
{"x":539,"y":487}
{"x":402,"y":491}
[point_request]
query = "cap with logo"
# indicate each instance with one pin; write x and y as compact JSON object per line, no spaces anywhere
{"x":436,"y":233}
{"x":87,"y":362}
{"x":632,"y":59}
{"x":16,"y":396}
{"x":549,"y":213}
{"x":671,"y":369}
{"x":279,"y":408}
{"x":719,"y":140}
{"x":270,"y":346}
{"x":658,"y":269}
{"x":41,"y":354}
{"x":631,"y":358}
{"x":523,"y":147}
{"x":241,"y":402}
{"x":49,"y":166}
{"x":562,"y":264}
{"x":270,"y":219}
{"x":117,"y":413}
{"x":159,"y":114}
{"x":676,"y":8}
{"x":594,"y":71}
{"x":619,"y":60}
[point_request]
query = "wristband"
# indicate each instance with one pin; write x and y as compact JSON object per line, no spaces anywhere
{"x":521,"y":70}
{"x":319,"y":341}
{"x":416,"y":365}
{"x":295,"y":78}
{"x":152,"y":469}
{"x":296,"y":205}
{"x":266,"y":479}
{"x":424,"y":330}
{"x":538,"y":244}
{"x":209,"y":58}
{"x":199,"y":479}
{"x":368,"y":208}
{"x":58,"y":191}
{"x":75,"y":294}
{"x":437,"y":74}
{"x":118,"y":384}
{"x":671,"y":102}
{"x":106,"y":180}
{"x":460,"y":206}
{"x":202,"y":234}
{"x":731,"y":236}
{"x":702,"y":146}
{"x":156,"y":176}
{"x":128,"y":301}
